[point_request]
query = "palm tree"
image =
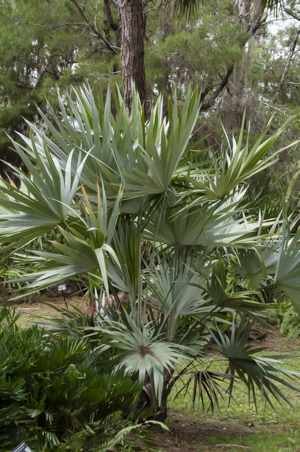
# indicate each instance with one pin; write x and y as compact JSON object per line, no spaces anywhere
{"x":137,"y":208}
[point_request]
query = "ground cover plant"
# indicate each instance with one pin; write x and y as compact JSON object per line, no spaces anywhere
{"x":136,"y":206}
{"x":289,"y":321}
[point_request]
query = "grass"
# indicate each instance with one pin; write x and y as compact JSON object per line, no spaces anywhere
{"x":238,"y":427}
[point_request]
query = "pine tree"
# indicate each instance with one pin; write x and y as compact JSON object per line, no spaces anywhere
{"x":45,"y":46}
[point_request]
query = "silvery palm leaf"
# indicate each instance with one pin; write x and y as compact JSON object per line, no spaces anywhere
{"x":206,"y":225}
{"x":260,"y":374}
{"x":141,"y":351}
{"x":237,"y":163}
{"x":256,"y":266}
{"x":46,"y":202}
{"x":165,"y":144}
{"x":287,"y":276}
{"x":84,"y":249}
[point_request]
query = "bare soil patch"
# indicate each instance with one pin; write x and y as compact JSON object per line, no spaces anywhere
{"x":186,"y":435}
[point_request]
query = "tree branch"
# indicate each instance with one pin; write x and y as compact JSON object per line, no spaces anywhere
{"x":290,"y":13}
{"x":218,"y":90}
{"x":113,"y":25}
{"x":92,"y":27}
{"x":291,"y":83}
{"x":256,"y":21}
{"x":287,"y":65}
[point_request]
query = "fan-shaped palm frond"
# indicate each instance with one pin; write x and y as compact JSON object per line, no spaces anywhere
{"x":226,"y":299}
{"x":236,"y":165}
{"x":141,"y":351}
{"x":213,"y":224}
{"x":287,"y":276}
{"x":46,"y":202}
{"x":165,"y":144}
{"x":257,"y":373}
{"x":206,"y":383}
{"x":83,"y":251}
{"x":255,"y":265}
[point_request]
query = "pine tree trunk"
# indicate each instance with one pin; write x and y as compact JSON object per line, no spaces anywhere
{"x":132,"y":21}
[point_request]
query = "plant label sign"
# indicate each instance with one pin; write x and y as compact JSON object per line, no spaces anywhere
{"x":61,"y":287}
{"x":22,"y":448}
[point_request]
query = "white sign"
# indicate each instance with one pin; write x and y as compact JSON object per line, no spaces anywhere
{"x":22,"y":448}
{"x":61,"y":287}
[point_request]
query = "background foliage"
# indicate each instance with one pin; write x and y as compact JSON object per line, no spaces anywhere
{"x":52,"y":45}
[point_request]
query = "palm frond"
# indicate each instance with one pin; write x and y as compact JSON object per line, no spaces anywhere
{"x":45,"y":204}
{"x":141,"y":351}
{"x":208,"y":384}
{"x":85,"y":248}
{"x":287,"y":276}
{"x":257,"y":373}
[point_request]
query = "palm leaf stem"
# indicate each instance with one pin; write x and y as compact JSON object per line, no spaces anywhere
{"x":163,"y":198}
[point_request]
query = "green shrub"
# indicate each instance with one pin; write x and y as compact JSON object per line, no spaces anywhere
{"x":57,"y":393}
{"x":290,"y":323}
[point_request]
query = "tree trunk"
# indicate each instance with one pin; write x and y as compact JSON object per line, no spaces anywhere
{"x":110,"y":24}
{"x":147,"y":403}
{"x":146,"y":400}
{"x":133,"y":23}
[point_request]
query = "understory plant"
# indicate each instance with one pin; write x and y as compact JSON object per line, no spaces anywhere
{"x":58,"y":393}
{"x":289,"y":321}
{"x":141,"y":209}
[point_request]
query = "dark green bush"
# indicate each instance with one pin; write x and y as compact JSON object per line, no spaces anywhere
{"x":57,"y":393}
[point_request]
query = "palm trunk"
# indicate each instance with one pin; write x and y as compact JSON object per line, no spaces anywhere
{"x":132,"y":21}
{"x":146,"y":400}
